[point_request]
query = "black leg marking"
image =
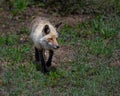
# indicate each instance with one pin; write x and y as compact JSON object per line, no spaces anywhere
{"x":50,"y":58}
{"x":37,"y":54}
{"x":41,"y":57}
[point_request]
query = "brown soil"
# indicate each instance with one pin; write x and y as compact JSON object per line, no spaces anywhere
{"x":64,"y":54}
{"x":12,"y":24}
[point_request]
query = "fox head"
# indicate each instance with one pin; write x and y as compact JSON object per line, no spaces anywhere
{"x":50,"y":35}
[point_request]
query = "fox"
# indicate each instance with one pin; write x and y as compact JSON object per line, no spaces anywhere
{"x":44,"y":35}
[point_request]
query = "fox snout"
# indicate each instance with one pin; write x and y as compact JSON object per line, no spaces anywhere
{"x":48,"y":45}
{"x":56,"y":47}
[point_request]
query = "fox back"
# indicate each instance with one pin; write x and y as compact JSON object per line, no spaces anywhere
{"x":43,"y":34}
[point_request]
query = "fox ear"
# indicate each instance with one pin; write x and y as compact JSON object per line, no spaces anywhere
{"x":58,"y":25}
{"x":46,"y":29}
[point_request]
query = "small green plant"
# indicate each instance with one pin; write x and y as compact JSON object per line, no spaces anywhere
{"x":19,"y":6}
{"x":105,"y":27}
{"x":67,"y":33}
{"x":101,"y":26}
{"x":99,"y":47}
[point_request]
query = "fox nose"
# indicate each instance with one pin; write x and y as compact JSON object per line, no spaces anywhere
{"x":56,"y":47}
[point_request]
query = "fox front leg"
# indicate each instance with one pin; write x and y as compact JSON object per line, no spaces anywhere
{"x":37,"y":59}
{"x":42,"y":61}
{"x":48,"y":63}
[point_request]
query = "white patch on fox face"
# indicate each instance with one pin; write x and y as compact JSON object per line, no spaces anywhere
{"x":50,"y":43}
{"x":46,"y":45}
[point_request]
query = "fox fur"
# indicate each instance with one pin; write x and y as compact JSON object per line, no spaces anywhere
{"x":44,"y":36}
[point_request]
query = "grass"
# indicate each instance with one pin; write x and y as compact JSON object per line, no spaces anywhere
{"x":18,"y":6}
{"x":93,"y":73}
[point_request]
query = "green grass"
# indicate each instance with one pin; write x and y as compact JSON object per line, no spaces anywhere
{"x":92,"y":73}
{"x":19,"y":6}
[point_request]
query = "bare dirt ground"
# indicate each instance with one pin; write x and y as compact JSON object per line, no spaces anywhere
{"x":10,"y":23}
